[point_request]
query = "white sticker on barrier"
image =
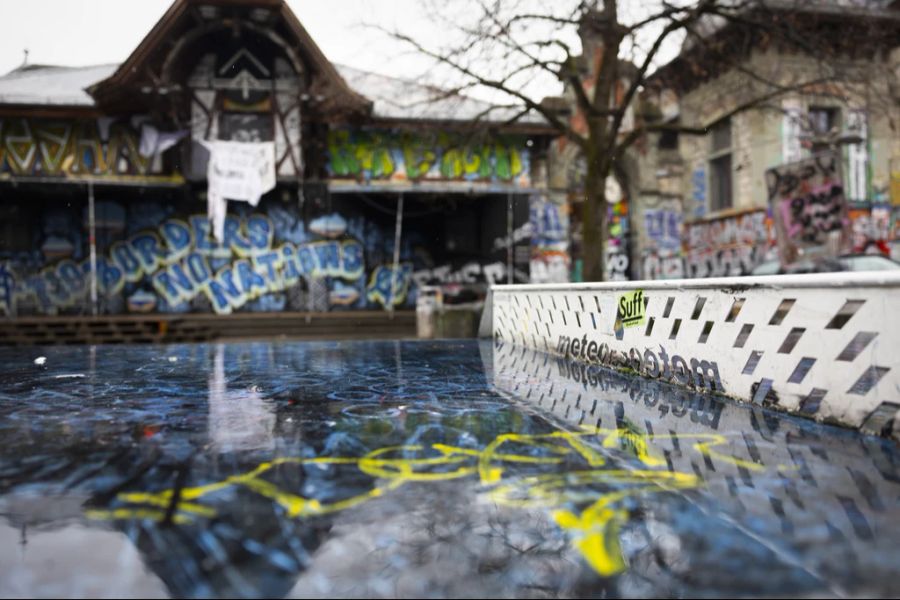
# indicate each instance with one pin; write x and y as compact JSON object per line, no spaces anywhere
{"x":823,"y":346}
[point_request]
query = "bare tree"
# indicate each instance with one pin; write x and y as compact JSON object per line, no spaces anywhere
{"x":606,"y":58}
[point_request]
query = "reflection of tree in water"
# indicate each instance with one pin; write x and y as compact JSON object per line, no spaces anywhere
{"x":249,"y":545}
{"x":374,"y":473}
{"x":245,"y":534}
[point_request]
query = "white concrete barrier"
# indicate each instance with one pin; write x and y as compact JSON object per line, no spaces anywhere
{"x":826,"y":346}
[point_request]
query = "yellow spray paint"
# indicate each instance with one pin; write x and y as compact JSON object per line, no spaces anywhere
{"x":594,"y":529}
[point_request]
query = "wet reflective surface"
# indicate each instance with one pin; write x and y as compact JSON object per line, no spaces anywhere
{"x":420,"y":469}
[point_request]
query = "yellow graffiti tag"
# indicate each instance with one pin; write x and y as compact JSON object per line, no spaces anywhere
{"x":504,"y":467}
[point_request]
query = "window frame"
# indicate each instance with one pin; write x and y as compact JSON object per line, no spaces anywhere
{"x":716,"y":154}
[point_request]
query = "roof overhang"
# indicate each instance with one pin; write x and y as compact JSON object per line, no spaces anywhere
{"x":143,"y":69}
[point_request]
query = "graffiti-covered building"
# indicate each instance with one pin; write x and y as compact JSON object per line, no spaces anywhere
{"x":799,"y":134}
{"x":378,"y":188}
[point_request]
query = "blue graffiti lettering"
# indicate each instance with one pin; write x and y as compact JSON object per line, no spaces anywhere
{"x":56,"y":289}
{"x":148,"y":250}
{"x":234,"y":239}
{"x":200,"y":228}
{"x":178,"y":239}
{"x":290,"y":274}
{"x":252,"y":283}
{"x":259,"y":230}
{"x":123,"y":255}
{"x":162,"y":282}
{"x":37,"y":286}
{"x":352,"y":257}
{"x":222,"y":292}
{"x":269,"y":264}
{"x":306,"y":260}
{"x":388,"y":287}
{"x":72,"y":275}
{"x":329,"y":257}
{"x":109,"y":277}
{"x":198,"y":268}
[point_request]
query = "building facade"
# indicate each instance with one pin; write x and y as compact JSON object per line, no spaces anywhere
{"x":381,"y":189}
{"x":709,"y":205}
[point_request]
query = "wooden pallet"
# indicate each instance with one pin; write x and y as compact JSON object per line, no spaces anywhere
{"x":145,"y":329}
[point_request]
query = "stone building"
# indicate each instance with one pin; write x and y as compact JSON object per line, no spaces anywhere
{"x":704,"y":203}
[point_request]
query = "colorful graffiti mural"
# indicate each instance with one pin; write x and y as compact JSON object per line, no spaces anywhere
{"x":270,"y":259}
{"x":662,"y":252}
{"x":617,"y":245}
{"x":870,"y":228}
{"x":728,"y":246}
{"x":809,"y":207}
{"x":178,"y":260}
{"x":550,"y":258}
{"x":698,"y":194}
{"x":153,"y":258}
{"x":386,"y":155}
{"x":104,"y":147}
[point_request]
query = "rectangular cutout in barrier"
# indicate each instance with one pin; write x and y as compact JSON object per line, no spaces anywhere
{"x":824,"y":346}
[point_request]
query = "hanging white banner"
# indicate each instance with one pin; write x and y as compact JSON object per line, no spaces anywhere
{"x":237,"y":171}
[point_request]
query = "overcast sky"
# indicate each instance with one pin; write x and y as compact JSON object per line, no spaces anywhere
{"x":90,"y":32}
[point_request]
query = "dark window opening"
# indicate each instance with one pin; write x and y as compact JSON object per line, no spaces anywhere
{"x":823,"y":120}
{"x":720,"y":182}
{"x":720,"y":186}
{"x":721,"y":136}
{"x":668,"y":140}
{"x":246,"y":127}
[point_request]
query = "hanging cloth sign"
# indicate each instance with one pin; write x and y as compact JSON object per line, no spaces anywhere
{"x":241,"y":171}
{"x":154,"y":142}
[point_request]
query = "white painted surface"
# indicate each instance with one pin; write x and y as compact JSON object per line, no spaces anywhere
{"x":539,"y":316}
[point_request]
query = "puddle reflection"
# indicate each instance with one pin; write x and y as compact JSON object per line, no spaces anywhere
{"x":411,"y":469}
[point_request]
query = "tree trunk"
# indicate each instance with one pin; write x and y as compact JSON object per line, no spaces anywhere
{"x":593,"y":221}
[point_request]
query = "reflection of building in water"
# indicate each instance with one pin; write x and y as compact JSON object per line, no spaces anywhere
{"x":239,"y":419}
{"x":782,"y":480}
{"x":413,"y":477}
{"x":39,"y":561}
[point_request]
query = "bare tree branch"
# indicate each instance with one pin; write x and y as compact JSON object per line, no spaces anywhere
{"x":551,"y":117}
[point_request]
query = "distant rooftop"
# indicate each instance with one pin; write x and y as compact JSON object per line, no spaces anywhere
{"x":45,"y":85}
{"x":396,"y":98}
{"x":393,"y":98}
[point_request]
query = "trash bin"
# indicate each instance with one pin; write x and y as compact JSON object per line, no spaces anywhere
{"x":428,"y":304}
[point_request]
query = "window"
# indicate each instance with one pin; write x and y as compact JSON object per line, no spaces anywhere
{"x":246,"y":117}
{"x":823,"y":120}
{"x":668,"y":140}
{"x":246,"y":127}
{"x":720,"y":166}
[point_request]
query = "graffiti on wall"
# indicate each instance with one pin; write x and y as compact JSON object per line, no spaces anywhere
{"x":152,"y":258}
{"x":870,"y":228}
{"x":103,"y":147}
{"x":809,"y":207}
{"x":662,"y":257}
{"x":550,"y":258}
{"x":385,"y":155}
{"x":727,"y":246}
{"x":698,"y":193}
{"x":179,"y":261}
{"x":617,"y":247}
